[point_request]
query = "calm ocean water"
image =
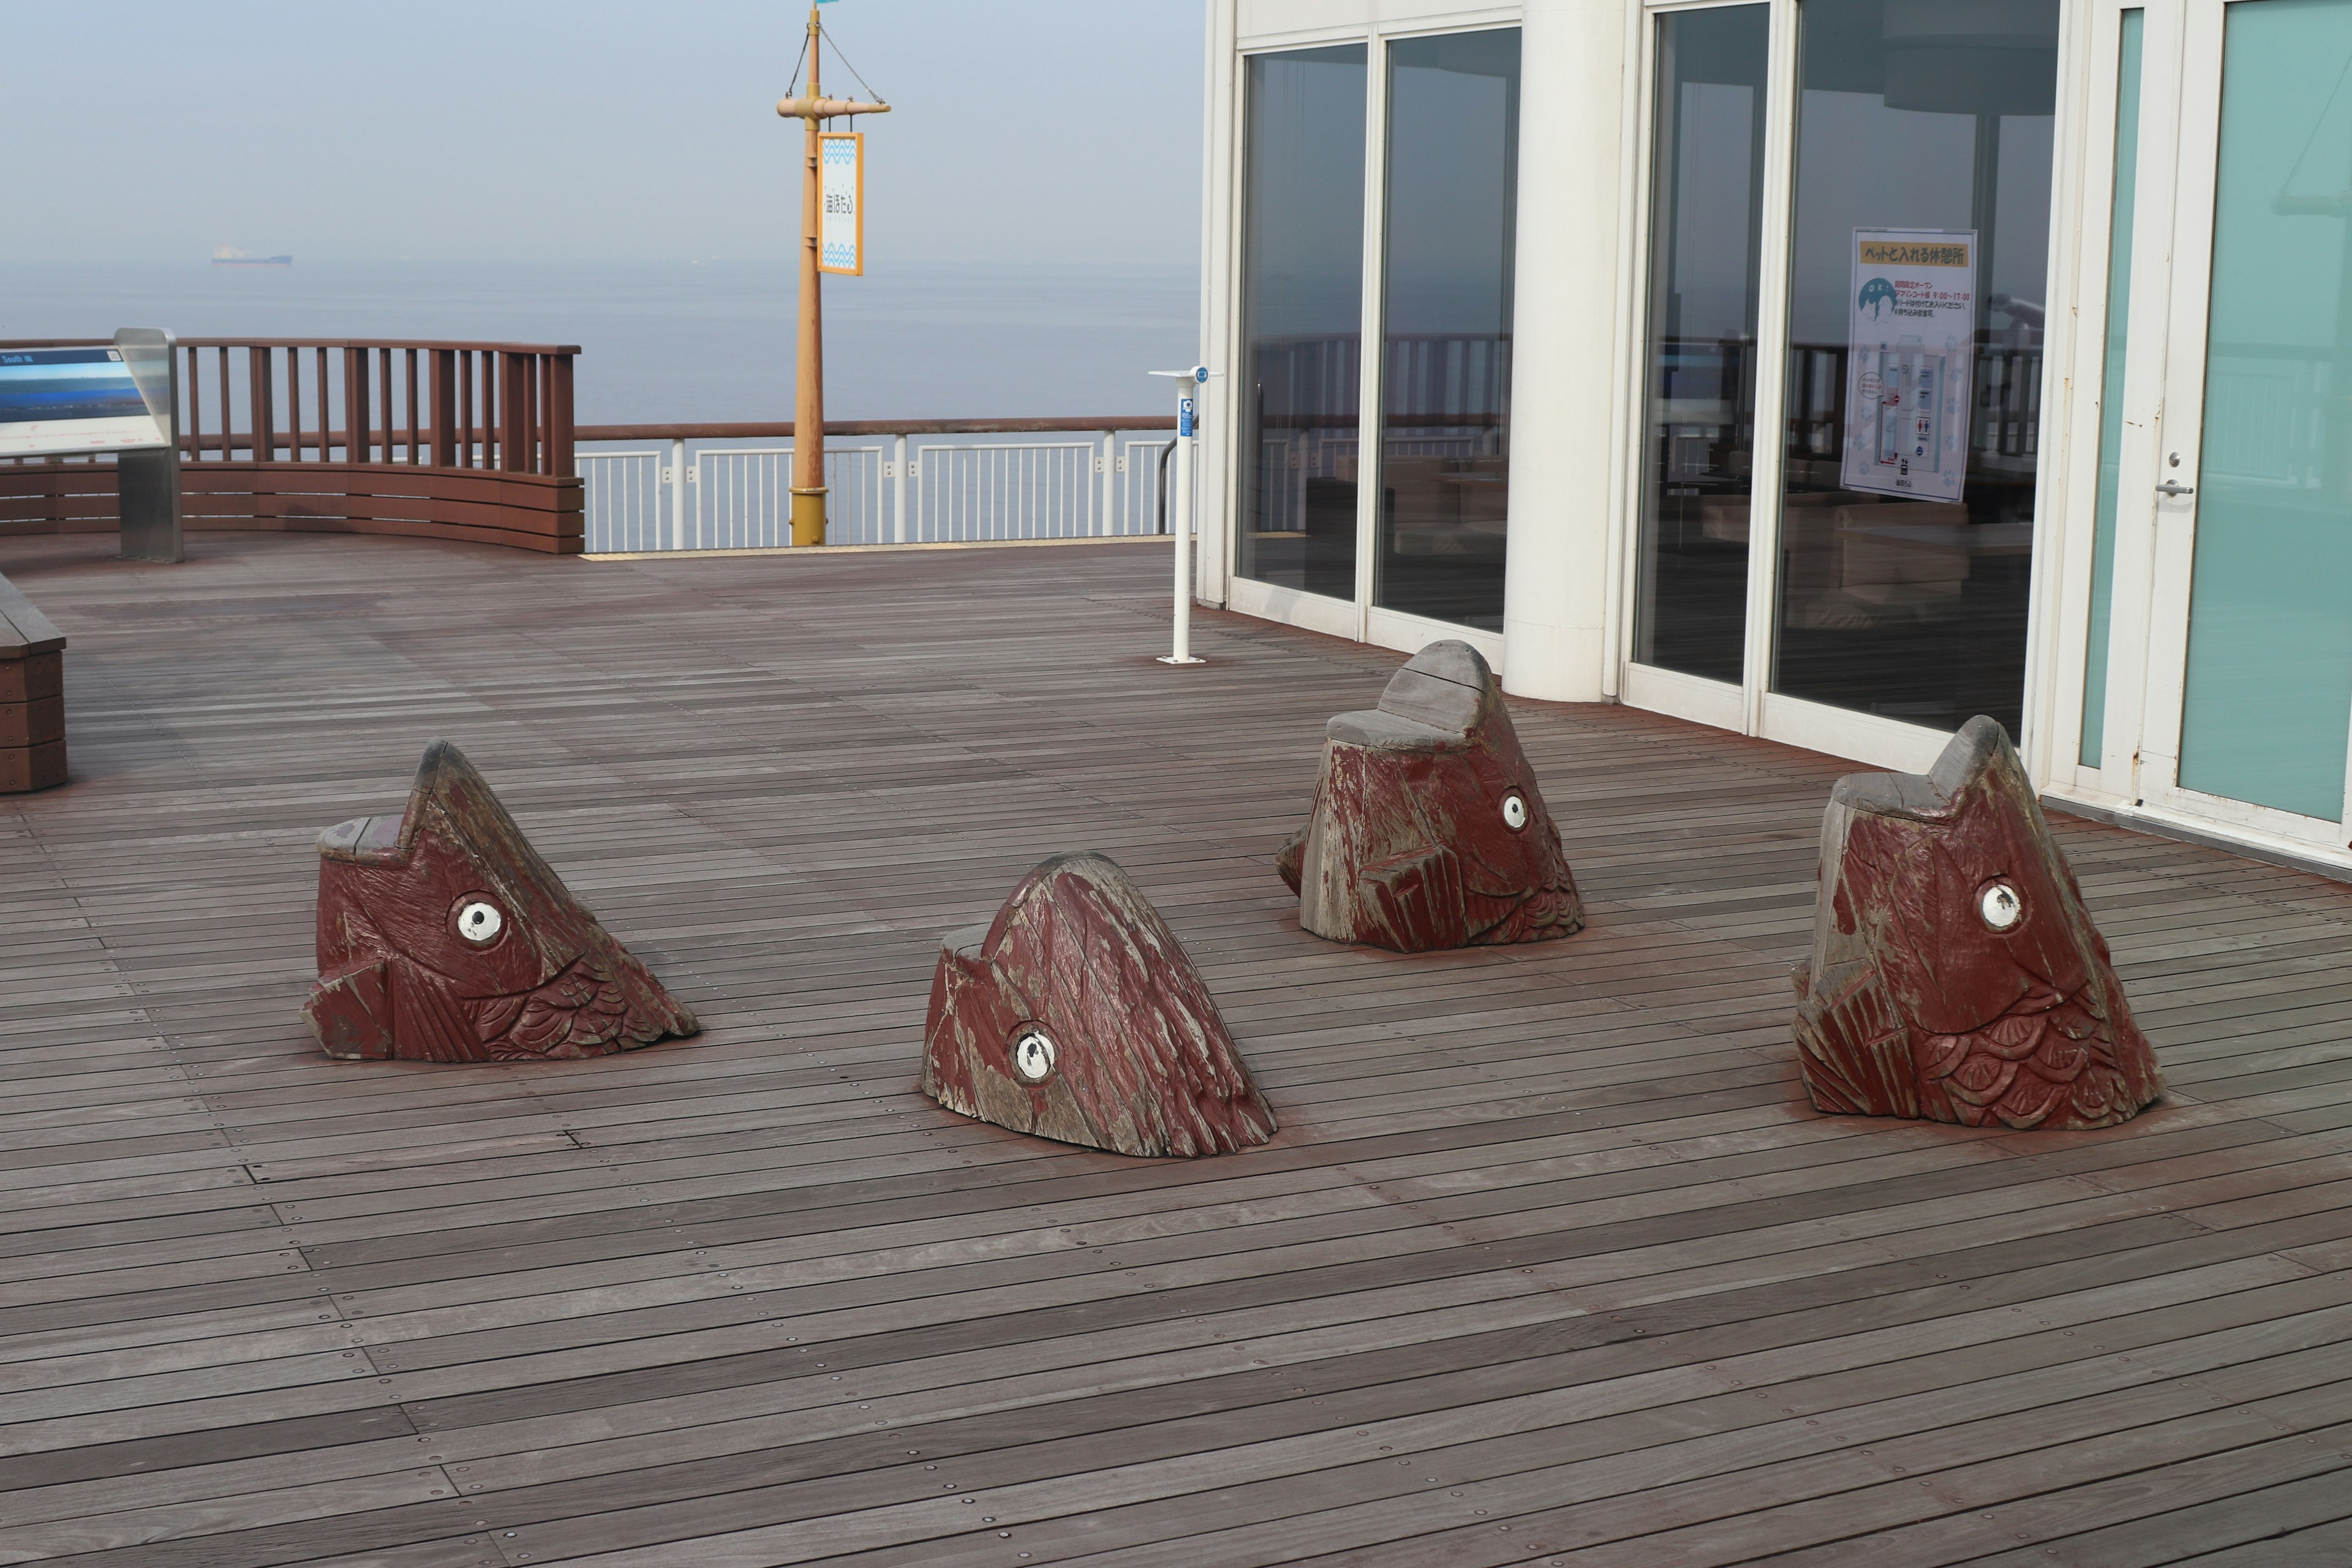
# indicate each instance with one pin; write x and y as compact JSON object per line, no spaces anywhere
{"x":679,"y":341}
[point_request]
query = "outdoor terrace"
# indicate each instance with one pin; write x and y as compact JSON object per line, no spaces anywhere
{"x":1550,"y":1260}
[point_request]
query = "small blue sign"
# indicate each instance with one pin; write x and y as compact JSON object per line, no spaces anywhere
{"x":1184,"y":417}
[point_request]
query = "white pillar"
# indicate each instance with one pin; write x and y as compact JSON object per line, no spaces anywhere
{"x":1107,"y":523}
{"x":1569,"y":352}
{"x":1220,"y":330}
{"x":677,"y":495}
{"x":898,"y":489}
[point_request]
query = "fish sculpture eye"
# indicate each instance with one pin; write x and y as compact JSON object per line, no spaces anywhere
{"x":1515,"y":812}
{"x":2000,"y":907}
{"x":479,"y":921}
{"x":1033,"y":1054}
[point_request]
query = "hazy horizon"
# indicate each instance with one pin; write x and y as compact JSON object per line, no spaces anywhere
{"x":592,"y":132}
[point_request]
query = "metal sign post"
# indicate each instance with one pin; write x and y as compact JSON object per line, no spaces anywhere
{"x":1192,"y":384}
{"x":813,"y":108}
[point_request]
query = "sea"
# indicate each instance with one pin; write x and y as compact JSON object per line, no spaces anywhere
{"x":687,"y":341}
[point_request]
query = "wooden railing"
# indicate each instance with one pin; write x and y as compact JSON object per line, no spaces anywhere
{"x":452,"y":440}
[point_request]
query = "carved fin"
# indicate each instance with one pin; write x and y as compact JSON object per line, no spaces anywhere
{"x":1291,"y":859}
{"x":1856,"y":1051}
{"x":350,"y":1014}
{"x":1414,"y":902}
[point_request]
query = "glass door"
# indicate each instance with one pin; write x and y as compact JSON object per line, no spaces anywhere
{"x":1848,"y":283}
{"x":2248,"y":710}
{"x":1378,"y":228}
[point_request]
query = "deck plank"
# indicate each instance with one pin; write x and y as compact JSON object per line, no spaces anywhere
{"x":1549,"y":1233}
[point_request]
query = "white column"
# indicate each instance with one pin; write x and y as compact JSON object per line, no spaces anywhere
{"x":1568,"y":352}
{"x":1219,"y":329}
{"x":677,"y":495}
{"x":1108,"y":522}
{"x":898,"y":489}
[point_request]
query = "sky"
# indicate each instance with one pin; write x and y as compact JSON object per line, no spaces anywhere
{"x":152,"y":130}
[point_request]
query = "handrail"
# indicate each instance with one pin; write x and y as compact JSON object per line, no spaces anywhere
{"x":452,"y":343}
{"x":775,"y":429}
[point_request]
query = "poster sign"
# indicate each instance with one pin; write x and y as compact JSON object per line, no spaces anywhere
{"x":1912,"y":354}
{"x":55,"y":400}
{"x":840,"y":202}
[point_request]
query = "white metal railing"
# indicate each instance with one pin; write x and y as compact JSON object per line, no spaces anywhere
{"x":895,"y":491}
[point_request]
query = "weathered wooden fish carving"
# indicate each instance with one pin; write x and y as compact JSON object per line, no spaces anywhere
{"x":1428,"y":830}
{"x":1077,"y":1014}
{"x":443,"y":937}
{"x":1954,"y":974}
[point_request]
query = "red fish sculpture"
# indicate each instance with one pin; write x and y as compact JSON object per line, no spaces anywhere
{"x":1428,"y":830}
{"x":1076,"y":1014}
{"x":443,"y":937}
{"x":1954,"y":974}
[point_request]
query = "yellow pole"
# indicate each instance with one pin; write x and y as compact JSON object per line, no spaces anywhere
{"x":808,"y":398}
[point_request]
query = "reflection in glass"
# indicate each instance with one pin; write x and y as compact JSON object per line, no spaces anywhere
{"x":1928,"y":116}
{"x":2111,"y":391}
{"x":1445,"y":368}
{"x":1706,"y":206}
{"x":2268,"y":700}
{"x":1302,"y":318}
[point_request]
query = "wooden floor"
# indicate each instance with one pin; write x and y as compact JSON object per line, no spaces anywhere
{"x":1550,"y":1262}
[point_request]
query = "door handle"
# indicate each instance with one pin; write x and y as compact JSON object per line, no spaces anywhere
{"x":2170,"y":487}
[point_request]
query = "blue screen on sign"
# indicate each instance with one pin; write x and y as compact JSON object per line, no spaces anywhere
{"x":67,"y":383}
{"x":1185,"y":416}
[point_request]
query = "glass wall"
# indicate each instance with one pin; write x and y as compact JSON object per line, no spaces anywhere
{"x":1302,"y":318}
{"x":2268,"y":695}
{"x":2122,"y":210}
{"x":1920,"y":251}
{"x":1707,"y":205}
{"x":1445,"y":366}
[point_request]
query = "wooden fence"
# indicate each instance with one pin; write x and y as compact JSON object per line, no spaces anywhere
{"x":444,"y":441}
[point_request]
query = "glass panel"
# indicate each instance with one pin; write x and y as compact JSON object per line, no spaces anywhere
{"x":1706,"y":219}
{"x":2269,"y":695}
{"x":1921,"y":249}
{"x":1445,"y":370}
{"x":1302,"y":318}
{"x":2111,"y":388}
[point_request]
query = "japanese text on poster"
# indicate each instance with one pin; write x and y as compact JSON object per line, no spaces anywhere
{"x":1912,"y":352}
{"x":840,"y":202}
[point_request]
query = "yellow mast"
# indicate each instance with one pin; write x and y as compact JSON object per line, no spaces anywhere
{"x":808,"y":397}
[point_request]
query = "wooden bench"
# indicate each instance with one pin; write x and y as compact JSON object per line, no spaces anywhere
{"x":32,"y":696}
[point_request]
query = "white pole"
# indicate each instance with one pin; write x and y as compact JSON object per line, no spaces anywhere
{"x":1194,"y":384}
{"x":1108,"y":521}
{"x":898,"y":489}
{"x":677,"y":495}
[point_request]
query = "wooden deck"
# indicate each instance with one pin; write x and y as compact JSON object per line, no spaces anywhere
{"x":1550,"y":1262}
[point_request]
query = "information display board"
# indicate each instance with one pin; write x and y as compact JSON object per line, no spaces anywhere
{"x":1910,"y":361}
{"x":840,"y":202}
{"x":60,"y":401}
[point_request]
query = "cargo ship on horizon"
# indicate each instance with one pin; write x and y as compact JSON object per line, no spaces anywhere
{"x":230,"y":256}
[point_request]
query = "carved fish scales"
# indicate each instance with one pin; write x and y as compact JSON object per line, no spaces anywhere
{"x":443,"y":937}
{"x":1955,"y":973}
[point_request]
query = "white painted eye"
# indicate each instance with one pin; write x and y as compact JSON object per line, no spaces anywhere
{"x":479,"y":922}
{"x":2000,"y":906}
{"x":1515,"y":811}
{"x":1033,"y":1056}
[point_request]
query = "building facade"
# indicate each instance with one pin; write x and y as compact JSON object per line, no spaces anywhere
{"x":1824,"y":370}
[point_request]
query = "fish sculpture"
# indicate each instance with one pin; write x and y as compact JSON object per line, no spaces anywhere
{"x":1954,"y":974}
{"x":1428,"y":830}
{"x":1076,"y":1014}
{"x":443,"y":937}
